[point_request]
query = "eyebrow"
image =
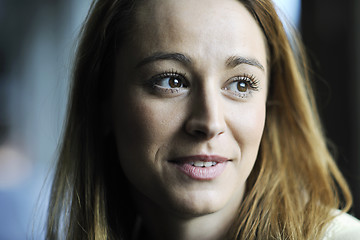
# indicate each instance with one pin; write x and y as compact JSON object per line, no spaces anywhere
{"x":165,"y":56}
{"x":238,"y":60}
{"x":231,"y":62}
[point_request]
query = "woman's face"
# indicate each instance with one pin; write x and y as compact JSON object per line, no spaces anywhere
{"x":189,"y":103}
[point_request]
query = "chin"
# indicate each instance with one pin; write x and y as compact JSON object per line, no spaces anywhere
{"x":197,"y":204}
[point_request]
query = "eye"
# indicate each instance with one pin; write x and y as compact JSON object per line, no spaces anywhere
{"x":168,"y":83}
{"x":171,"y":82}
{"x":241,"y":86}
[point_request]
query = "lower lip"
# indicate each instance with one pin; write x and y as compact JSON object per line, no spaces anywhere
{"x":202,"y":173}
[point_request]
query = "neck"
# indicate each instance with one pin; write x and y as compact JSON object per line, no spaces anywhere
{"x":163,"y":225}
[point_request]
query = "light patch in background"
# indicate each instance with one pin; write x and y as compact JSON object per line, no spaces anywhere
{"x":289,"y":9}
{"x":15,"y":167}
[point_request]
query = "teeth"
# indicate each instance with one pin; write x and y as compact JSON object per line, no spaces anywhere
{"x":208,"y":164}
{"x":198,"y":164}
{"x":203,"y":164}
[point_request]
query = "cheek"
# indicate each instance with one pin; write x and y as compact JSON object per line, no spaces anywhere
{"x":143,"y":127}
{"x":139,"y":133}
{"x":143,"y":131}
{"x":247,"y":127}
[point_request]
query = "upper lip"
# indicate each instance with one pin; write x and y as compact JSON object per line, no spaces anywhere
{"x":202,"y":157}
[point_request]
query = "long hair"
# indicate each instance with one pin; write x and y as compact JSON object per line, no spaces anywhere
{"x":295,"y":184}
{"x":291,"y":191}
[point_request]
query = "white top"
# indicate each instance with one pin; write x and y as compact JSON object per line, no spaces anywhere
{"x":343,"y":227}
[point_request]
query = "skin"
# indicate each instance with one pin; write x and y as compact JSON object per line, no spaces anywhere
{"x":154,"y":123}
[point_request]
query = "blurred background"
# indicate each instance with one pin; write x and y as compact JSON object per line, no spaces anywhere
{"x":37,"y":45}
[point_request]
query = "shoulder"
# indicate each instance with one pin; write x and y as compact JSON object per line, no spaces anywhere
{"x":343,"y":227}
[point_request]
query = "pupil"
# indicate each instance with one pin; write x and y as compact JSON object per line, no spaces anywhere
{"x":242,"y":86}
{"x":174,"y":83}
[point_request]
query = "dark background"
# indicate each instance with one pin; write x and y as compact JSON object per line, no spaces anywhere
{"x":331,"y":32}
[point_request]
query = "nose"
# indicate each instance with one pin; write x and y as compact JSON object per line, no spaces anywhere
{"x":206,"y":119}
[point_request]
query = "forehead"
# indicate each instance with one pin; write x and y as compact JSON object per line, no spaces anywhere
{"x":198,"y":26}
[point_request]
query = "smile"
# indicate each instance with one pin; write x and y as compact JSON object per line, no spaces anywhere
{"x":201,"y":167}
{"x":203,"y":164}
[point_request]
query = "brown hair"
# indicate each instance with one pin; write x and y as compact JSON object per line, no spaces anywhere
{"x":295,"y":183}
{"x":291,"y":191}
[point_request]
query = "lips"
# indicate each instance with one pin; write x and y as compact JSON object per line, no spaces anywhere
{"x":201,"y":167}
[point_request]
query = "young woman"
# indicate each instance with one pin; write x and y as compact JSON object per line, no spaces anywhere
{"x":193,"y":120}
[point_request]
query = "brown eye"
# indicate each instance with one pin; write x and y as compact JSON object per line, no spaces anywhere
{"x":168,"y":83}
{"x":242,"y":86}
{"x":174,"y":82}
{"x":171,"y":82}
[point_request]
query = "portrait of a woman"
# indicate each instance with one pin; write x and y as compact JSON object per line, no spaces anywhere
{"x":194,"y":120}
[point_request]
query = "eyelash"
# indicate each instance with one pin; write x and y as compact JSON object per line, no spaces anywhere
{"x":252,"y":84}
{"x":154,"y":81}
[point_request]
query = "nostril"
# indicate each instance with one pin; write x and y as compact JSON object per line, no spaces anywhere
{"x":203,"y":126}
{"x":203,"y":134}
{"x":199,"y":133}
